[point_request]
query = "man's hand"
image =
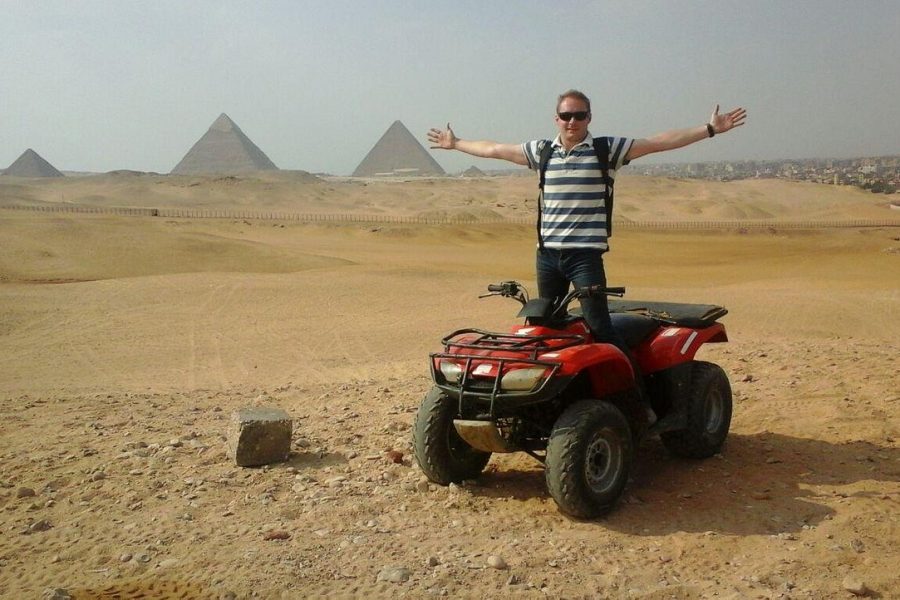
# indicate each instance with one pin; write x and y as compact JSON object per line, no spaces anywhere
{"x":445,"y":139}
{"x":728,"y":121}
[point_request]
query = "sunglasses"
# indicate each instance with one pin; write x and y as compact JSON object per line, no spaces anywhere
{"x":581,"y":115}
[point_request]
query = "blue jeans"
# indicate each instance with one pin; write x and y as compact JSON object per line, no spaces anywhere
{"x":581,"y":267}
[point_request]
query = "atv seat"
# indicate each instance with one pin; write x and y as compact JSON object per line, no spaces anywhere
{"x":633,"y":328}
{"x":634,"y":320}
{"x":698,"y":316}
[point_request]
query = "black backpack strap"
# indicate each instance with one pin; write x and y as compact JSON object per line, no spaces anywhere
{"x":601,"y":148}
{"x":543,"y":159}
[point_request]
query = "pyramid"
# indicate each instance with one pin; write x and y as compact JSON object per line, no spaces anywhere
{"x":224,"y":148}
{"x":30,"y":164}
{"x":473,"y":171}
{"x":398,"y":153}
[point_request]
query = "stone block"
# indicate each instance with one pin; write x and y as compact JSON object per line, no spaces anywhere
{"x":259,"y":436}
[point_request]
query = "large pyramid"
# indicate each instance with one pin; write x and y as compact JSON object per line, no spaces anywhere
{"x":224,"y":148}
{"x":30,"y":164}
{"x":398,"y":153}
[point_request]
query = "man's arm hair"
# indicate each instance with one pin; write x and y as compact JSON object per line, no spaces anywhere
{"x":487,"y":149}
{"x":678,"y":138}
{"x":668,"y":140}
{"x":445,"y":139}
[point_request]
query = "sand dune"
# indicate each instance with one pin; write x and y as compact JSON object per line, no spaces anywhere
{"x":80,"y":249}
{"x":117,"y":382}
{"x":638,"y":198}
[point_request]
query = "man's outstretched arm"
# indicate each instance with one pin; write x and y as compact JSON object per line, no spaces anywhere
{"x":447,"y":140}
{"x":678,"y":138}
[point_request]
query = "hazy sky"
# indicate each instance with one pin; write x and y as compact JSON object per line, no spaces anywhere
{"x":103,"y":85}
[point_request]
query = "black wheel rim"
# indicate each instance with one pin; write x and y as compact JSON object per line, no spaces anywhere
{"x":602,"y":461}
{"x":714,"y":410}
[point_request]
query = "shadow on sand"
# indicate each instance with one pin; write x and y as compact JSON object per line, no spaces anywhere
{"x":764,"y":483}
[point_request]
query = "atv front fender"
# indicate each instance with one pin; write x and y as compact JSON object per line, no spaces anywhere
{"x":608,"y":369}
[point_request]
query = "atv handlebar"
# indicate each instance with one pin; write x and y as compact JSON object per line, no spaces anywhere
{"x":594,"y":290}
{"x":508,"y":289}
{"x":505,"y":288}
{"x":517,"y":291}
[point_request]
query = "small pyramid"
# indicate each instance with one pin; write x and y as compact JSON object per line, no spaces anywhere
{"x":224,"y":148}
{"x":473,"y":171}
{"x":398,"y":153}
{"x":30,"y":164}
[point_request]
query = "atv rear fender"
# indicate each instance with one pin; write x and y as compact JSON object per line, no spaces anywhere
{"x":676,"y":345}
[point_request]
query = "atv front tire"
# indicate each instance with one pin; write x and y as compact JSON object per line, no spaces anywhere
{"x":708,"y":414}
{"x":441,"y":453}
{"x":589,"y":458}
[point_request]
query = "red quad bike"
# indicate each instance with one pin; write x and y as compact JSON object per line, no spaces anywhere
{"x":548,"y":390}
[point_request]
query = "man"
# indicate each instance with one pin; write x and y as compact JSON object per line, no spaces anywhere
{"x":573,"y":229}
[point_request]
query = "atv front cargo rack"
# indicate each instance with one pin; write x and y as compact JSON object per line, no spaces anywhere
{"x":486,"y":392}
{"x":512,"y":342}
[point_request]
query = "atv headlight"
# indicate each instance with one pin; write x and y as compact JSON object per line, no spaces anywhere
{"x":522,"y":380}
{"x":451,"y":371}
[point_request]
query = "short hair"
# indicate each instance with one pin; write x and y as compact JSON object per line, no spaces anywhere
{"x":573,"y":94}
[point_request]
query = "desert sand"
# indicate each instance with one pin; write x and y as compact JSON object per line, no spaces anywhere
{"x":128,"y":341}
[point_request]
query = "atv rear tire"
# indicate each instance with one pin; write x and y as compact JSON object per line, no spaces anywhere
{"x":443,"y":456}
{"x":589,"y":458}
{"x":708,"y":414}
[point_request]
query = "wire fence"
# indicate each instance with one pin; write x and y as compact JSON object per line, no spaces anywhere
{"x":190,"y":213}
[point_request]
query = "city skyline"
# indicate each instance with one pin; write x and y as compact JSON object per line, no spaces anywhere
{"x":104,"y":86}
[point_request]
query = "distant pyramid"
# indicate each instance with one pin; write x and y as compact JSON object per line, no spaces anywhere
{"x":398,"y":153}
{"x":30,"y":164}
{"x":473,"y":171}
{"x":224,"y":148}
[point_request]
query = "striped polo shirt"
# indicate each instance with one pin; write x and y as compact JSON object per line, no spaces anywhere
{"x":573,"y":214}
